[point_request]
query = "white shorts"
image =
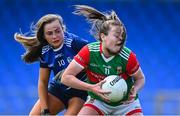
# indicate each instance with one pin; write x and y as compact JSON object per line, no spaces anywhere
{"x":104,"y":109}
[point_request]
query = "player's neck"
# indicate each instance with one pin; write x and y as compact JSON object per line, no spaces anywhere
{"x":106,"y":53}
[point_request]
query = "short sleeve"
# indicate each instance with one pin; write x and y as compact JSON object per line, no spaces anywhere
{"x":132,"y":65}
{"x":43,"y":64}
{"x":83,"y":56}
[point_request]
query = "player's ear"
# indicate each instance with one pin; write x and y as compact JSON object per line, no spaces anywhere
{"x":102,"y":36}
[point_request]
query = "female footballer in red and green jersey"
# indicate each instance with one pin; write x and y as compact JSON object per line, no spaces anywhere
{"x":108,"y":56}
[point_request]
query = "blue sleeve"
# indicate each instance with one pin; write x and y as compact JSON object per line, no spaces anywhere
{"x":43,"y":64}
{"x":78,"y":43}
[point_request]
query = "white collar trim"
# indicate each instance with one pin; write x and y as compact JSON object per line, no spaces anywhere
{"x":107,"y":59}
{"x":57,"y":49}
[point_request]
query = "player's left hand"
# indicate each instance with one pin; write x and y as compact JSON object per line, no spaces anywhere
{"x":132,"y":95}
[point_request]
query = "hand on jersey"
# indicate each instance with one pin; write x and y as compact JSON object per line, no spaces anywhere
{"x":97,"y":89}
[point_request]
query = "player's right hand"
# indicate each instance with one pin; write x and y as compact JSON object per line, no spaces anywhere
{"x":97,"y":89}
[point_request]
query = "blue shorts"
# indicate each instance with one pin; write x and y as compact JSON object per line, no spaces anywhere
{"x":65,"y":93}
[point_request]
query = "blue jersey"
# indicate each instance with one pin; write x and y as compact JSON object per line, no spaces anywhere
{"x":58,"y":59}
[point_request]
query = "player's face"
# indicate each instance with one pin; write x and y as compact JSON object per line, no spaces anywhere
{"x":54,"y":34}
{"x":114,"y":41}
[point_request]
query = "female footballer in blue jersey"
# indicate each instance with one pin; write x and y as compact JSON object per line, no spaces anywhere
{"x":54,"y":48}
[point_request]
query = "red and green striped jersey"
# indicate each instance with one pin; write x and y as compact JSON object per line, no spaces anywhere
{"x":99,"y":67}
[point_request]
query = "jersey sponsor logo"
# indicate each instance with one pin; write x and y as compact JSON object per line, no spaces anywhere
{"x":94,"y":65}
{"x":95,"y":77}
{"x":69,"y":59}
{"x":119,"y":69}
{"x":59,"y":55}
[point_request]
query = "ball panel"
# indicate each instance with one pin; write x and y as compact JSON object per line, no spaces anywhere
{"x":117,"y":86}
